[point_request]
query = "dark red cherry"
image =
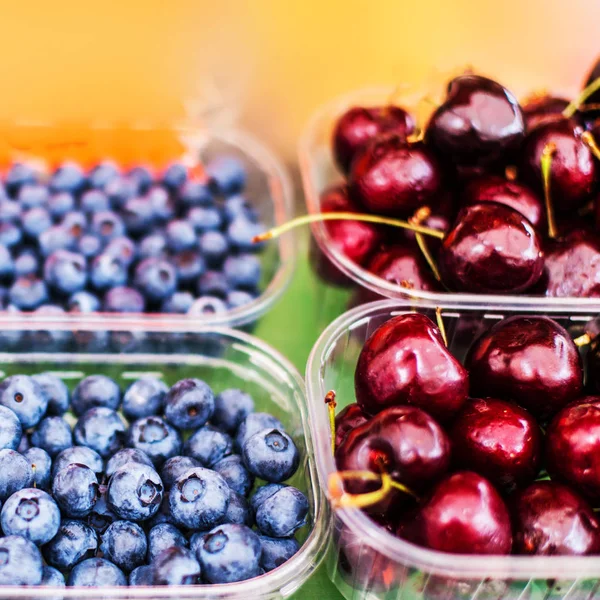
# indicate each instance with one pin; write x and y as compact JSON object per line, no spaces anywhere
{"x":573,"y":446}
{"x":347,"y":420}
{"x":393,"y":177}
{"x":492,"y":249}
{"x":493,"y":188}
{"x":480,"y":123}
{"x":358,"y":126}
{"x":499,"y":440}
{"x":537,"y":108}
{"x":464,"y":515}
{"x":573,"y":172}
{"x":405,"y":361}
{"x":529,"y":360}
{"x":550,"y":518}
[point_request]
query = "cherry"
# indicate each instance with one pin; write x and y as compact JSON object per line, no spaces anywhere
{"x":492,"y":249}
{"x":359,"y":125}
{"x":464,"y":515}
{"x":499,"y":440}
{"x":537,"y":108}
{"x":405,"y":361}
{"x":479,"y":124}
{"x":572,"y":446}
{"x":573,"y":173}
{"x":393,"y":177}
{"x":530,"y":360}
{"x":510,"y":193}
{"x":550,"y":518}
{"x":347,"y":420}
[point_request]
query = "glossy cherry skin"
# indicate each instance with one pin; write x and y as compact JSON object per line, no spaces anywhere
{"x":464,"y":515}
{"x":393,"y":177}
{"x":492,"y":249}
{"x":347,"y":420}
{"x":573,"y":171}
{"x":537,"y":108}
{"x":405,"y":361}
{"x":359,"y":125}
{"x":572,"y":446}
{"x":530,"y":360}
{"x":480,"y":123}
{"x":550,"y":518}
{"x":499,"y":440}
{"x":493,"y":188}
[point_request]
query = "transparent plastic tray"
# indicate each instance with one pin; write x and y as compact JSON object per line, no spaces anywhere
{"x":319,"y":173}
{"x":365,"y":561}
{"x":268,"y":188}
{"x":222,"y":357}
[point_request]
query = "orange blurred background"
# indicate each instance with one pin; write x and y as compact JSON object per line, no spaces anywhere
{"x":272,"y":62}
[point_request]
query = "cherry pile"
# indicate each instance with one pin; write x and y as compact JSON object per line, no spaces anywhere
{"x":498,"y":455}
{"x":511,"y":190}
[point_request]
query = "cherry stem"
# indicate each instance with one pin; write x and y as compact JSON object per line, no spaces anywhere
{"x":546,"y":165}
{"x":344,"y":216}
{"x":588,"y":139}
{"x":511,"y":173}
{"x":34,"y":469}
{"x":331,"y":404}
{"x":417,"y":136}
{"x":440,"y":324}
{"x":420,"y":215}
{"x":583,"y":340}
{"x":573,"y":107}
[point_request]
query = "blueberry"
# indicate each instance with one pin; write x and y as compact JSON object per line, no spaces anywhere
{"x":95,"y":390}
{"x":33,"y":195}
{"x":163,"y":206}
{"x":94,"y":201}
{"x":156,"y":279}
{"x":75,"y":489}
{"x":276,"y":551}
{"x":96,"y":572}
{"x":35,"y":221}
{"x":20,"y":561}
{"x":100,"y":429}
{"x":238,"y":207}
{"x":26,"y":263}
{"x":102,"y":174}
{"x":28,"y":292}
{"x":52,"y":577}
{"x":32,"y":514}
{"x":125,"y":456}
{"x":120,"y":189}
{"x":10,"y":234}
{"x":208,"y":445}
{"x":144,"y":397}
{"x":10,"y":429}
{"x":55,"y":238}
{"x":24,"y":444}
{"x":89,"y":245}
{"x":10,"y":211}
{"x":196,"y":540}
{"x":155,"y":437}
{"x":199,"y":499}
{"x":230,"y":553}
{"x":178,"y":303}
{"x":205,"y":219}
{"x":108,"y":272}
{"x":252,"y":424}
{"x":242,"y":271}
{"x":135,"y":492}
{"x":83,"y":302}
{"x":107,"y":225}
{"x":214,"y":247}
{"x":123,"y":299}
{"x":162,"y":537}
{"x":52,"y":434}
{"x":189,"y":265}
{"x":233,"y":471}
{"x":176,"y":566}
{"x":238,"y":510}
{"x":124,"y":543}
{"x":25,"y":397}
{"x":271,"y":455}
{"x":227,"y":175}
{"x":122,"y":248}
{"x":60,"y":204}
{"x":75,"y":223}
{"x":138,"y":216}
{"x":240,"y":233}
{"x":280,"y":513}
{"x":101,"y":516}
{"x":81,"y":455}
{"x":74,"y":542}
{"x":65,"y":272}
{"x":153,"y":245}
{"x":207,"y":306}
{"x":213,"y":283}
{"x":232,"y":406}
{"x":194,"y":193}
{"x":189,"y":404}
{"x":163,"y":515}
{"x":18,"y":175}
{"x":68,"y":178}
{"x":56,"y":391}
{"x":175,"y":467}
{"x":180,"y":235}
{"x":141,"y":576}
{"x":175,"y":175}
{"x":143,"y":176}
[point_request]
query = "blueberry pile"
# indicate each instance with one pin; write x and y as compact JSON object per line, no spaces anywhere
{"x":128,"y":242}
{"x":167,"y":497}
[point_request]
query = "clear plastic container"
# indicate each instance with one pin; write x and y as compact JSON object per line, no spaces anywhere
{"x":222,"y":357}
{"x":268,"y":188}
{"x":365,"y":561}
{"x":319,"y":173}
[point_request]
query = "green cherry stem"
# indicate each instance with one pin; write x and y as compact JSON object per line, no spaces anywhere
{"x":331,"y":404}
{"x":546,"y":165}
{"x":422,"y":214}
{"x":573,"y":107}
{"x":440,"y":324}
